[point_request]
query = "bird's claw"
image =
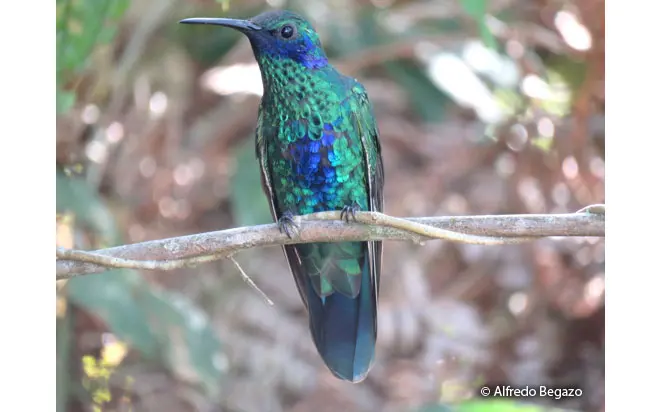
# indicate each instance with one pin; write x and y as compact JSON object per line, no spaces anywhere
{"x":287,"y":225}
{"x":348,"y":213}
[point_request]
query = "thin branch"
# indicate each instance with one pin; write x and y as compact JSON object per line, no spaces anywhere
{"x":107,"y":261}
{"x":185,"y":251}
{"x":250,"y":281}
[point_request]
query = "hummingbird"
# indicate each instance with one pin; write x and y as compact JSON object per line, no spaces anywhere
{"x":318,"y":150}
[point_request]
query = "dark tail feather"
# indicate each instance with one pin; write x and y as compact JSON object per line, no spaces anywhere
{"x":344,"y":328}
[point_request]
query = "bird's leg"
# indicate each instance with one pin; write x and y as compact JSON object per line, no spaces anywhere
{"x":348,"y":212}
{"x":287,"y":225}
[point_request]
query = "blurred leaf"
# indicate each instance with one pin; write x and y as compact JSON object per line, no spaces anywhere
{"x":565,"y":77}
{"x":96,"y":381}
{"x":367,"y":33}
{"x":107,"y":35}
{"x":370,"y":33}
{"x":65,"y":101}
{"x":510,"y":100}
{"x":543,"y":143}
{"x":250,"y":205}
{"x":426,"y":98}
{"x":161,"y":325}
{"x":570,"y":72}
{"x":442,"y":26}
{"x":77,"y":196}
{"x":487,"y":37}
{"x":478,"y":10}
{"x":64,"y":334}
{"x":475,"y":8}
{"x":493,"y":405}
{"x":118,"y":8}
{"x":498,"y":405}
{"x":111,"y":296}
{"x":81,"y":25}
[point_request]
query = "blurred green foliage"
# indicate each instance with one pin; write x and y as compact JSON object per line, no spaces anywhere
{"x":75,"y":195}
{"x":426,"y":99}
{"x":490,"y":405}
{"x":250,"y":206}
{"x":478,"y":10}
{"x":155,"y":322}
{"x":96,"y":381}
{"x":82,"y":25}
{"x":163,"y":326}
{"x":64,"y":349}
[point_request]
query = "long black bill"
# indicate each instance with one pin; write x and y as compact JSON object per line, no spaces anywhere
{"x":242,"y":25}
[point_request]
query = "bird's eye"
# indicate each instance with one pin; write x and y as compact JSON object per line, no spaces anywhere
{"x":287,"y":31}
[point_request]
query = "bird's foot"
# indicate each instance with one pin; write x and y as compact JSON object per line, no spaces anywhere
{"x":348,"y":213}
{"x":287,"y":225}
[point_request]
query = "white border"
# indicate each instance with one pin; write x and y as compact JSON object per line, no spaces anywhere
{"x":628,"y":187}
{"x":27,"y":307}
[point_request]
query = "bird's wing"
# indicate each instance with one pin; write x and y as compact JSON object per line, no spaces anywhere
{"x":261,"y":155}
{"x":368,"y":130}
{"x":291,"y":253}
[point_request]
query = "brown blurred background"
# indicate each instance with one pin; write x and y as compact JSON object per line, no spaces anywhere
{"x":483,"y":106}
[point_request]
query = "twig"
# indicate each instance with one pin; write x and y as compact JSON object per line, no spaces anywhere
{"x":172,"y":253}
{"x":420,"y":230}
{"x":250,"y":281}
{"x":120,"y":263}
{"x":598,"y":209}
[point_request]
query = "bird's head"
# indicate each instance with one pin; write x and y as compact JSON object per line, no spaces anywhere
{"x":276,"y":35}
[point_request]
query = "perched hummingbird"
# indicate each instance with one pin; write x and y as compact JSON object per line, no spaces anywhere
{"x":318,"y":150}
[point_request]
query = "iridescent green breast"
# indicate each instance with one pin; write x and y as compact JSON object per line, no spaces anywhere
{"x":314,"y":152}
